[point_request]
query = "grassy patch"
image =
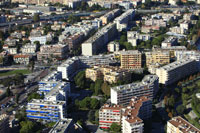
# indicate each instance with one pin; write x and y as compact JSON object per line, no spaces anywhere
{"x":12,"y":72}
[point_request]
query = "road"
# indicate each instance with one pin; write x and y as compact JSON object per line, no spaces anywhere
{"x":23,"y":96}
{"x":7,"y":25}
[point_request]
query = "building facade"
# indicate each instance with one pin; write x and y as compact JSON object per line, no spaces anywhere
{"x":131,"y":59}
{"x":177,"y":70}
{"x":159,"y":57}
{"x":45,"y":110}
{"x":147,"y":87}
{"x":109,"y":114}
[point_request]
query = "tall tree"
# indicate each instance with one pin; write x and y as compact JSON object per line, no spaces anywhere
{"x":36,"y":17}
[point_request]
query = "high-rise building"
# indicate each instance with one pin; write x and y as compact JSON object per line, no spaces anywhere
{"x":131,"y":59}
{"x":109,"y":114}
{"x":45,"y":110}
{"x":147,"y":87}
{"x":177,"y":70}
{"x":134,"y":114}
{"x":180,"y":125}
{"x":95,"y":44}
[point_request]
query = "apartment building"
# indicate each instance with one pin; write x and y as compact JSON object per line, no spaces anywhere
{"x":138,"y":109}
{"x":74,"y":41}
{"x":97,"y":42}
{"x":177,"y":70}
{"x":134,"y":36}
{"x":159,"y":57}
{"x":113,"y":46}
{"x":123,"y":20}
{"x":155,"y":22}
{"x":178,"y":30}
{"x":28,"y":49}
{"x":149,"y":29}
{"x":180,"y":125}
{"x":39,"y":109}
{"x":188,"y":54}
{"x":21,"y":59}
{"x":108,"y":73}
{"x":131,"y":59}
{"x":108,"y":17}
{"x":11,"y":42}
{"x":109,"y":114}
{"x":12,"y":51}
{"x":63,"y":126}
{"x":170,"y":41}
{"x":42,"y":39}
{"x":147,"y":87}
{"x":171,"y":49}
{"x":54,"y":52}
{"x":72,"y":65}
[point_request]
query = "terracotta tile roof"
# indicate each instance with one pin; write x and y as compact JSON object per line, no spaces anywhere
{"x":183,"y":125}
{"x":133,"y":108}
{"x":21,"y":56}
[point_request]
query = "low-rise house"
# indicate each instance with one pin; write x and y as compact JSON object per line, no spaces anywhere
{"x":21,"y":59}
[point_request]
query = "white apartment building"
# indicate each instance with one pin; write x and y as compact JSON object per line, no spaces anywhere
{"x":123,"y":20}
{"x":180,"y":125}
{"x":72,"y":65}
{"x":28,"y":49}
{"x":109,"y":16}
{"x":113,"y":46}
{"x":178,"y":30}
{"x":177,"y":70}
{"x":45,"y":110}
{"x":147,"y":87}
{"x":188,"y":54}
{"x":98,"y":42}
{"x":109,"y":114}
{"x":139,"y":108}
{"x":12,"y":51}
{"x":170,"y":41}
{"x":157,"y":22}
{"x":41,"y":39}
{"x":134,"y":36}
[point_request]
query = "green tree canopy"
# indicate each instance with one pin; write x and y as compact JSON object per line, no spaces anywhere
{"x":36,"y":17}
{"x":180,"y":109}
{"x":115,"y":128}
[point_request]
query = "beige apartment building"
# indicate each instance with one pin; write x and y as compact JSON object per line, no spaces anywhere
{"x":131,"y":59}
{"x":108,"y":73}
{"x":175,"y":71}
{"x":180,"y":125}
{"x":161,"y":57}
